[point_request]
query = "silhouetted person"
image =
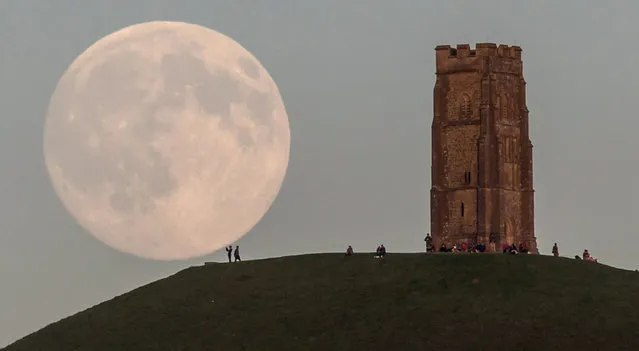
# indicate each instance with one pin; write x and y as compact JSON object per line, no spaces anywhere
{"x":492,"y":242}
{"x":349,"y":251}
{"x":229,"y":250}
{"x":555,"y":250}
{"x":380,"y":252}
{"x":429,"y":242}
{"x":236,"y":254}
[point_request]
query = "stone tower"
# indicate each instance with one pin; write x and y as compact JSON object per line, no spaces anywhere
{"x":482,"y":184}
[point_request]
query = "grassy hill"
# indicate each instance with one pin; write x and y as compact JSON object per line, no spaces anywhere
{"x":331,"y":302}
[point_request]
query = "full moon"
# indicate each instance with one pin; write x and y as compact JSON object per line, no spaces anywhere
{"x":166,"y":140}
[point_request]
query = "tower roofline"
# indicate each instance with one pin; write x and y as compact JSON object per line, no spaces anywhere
{"x":463,"y":58}
{"x":481,"y":49}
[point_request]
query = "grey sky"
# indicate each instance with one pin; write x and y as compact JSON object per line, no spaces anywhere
{"x":357,"y":79}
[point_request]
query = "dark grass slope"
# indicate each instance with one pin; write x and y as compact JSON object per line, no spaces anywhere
{"x":330,"y":302}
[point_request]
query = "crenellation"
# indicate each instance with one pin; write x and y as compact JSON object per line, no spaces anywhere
{"x":463,"y":57}
{"x":503,"y":51}
{"x":462,"y":51}
{"x":486,"y":49}
{"x":515,"y":52}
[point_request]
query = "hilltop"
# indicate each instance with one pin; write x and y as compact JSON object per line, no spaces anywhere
{"x":332,"y":302}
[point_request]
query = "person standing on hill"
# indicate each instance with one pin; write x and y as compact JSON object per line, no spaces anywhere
{"x":236,"y":254}
{"x":229,"y":250}
{"x":555,"y":250}
{"x":429,"y":242}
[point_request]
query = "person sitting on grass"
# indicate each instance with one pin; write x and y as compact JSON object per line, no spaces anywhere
{"x":349,"y":251}
{"x":587,"y":257}
{"x":510,"y":249}
{"x":381,"y":251}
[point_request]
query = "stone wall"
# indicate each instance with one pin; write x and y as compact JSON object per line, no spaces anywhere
{"x":482,"y":154}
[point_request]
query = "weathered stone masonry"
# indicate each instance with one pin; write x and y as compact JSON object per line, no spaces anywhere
{"x":482,"y":176}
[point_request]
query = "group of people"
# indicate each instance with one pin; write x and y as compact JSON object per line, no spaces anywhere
{"x":236,"y":253}
{"x":512,"y":249}
{"x":379,"y":253}
{"x":522,"y":248}
{"x":585,"y":256}
{"x":476,"y":248}
{"x":463,"y":247}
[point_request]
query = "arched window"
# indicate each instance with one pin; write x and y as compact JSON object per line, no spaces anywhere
{"x":465,"y":107}
{"x":462,"y":209}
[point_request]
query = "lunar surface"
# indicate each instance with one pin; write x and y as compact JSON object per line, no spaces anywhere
{"x":167,"y":140}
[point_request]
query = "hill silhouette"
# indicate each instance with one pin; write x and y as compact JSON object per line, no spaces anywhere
{"x":332,"y":302}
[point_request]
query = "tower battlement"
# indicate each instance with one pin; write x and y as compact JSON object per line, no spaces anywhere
{"x":481,"y":49}
{"x":464,"y":58}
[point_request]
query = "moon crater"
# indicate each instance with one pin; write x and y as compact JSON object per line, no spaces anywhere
{"x":166,"y":140}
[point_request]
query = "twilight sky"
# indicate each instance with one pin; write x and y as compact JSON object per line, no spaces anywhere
{"x":357,"y":79}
